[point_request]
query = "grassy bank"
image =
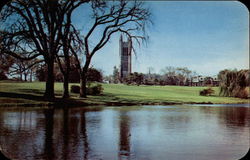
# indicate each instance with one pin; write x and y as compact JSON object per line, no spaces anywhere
{"x":30,"y":94}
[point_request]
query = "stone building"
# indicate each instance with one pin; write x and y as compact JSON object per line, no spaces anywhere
{"x":125,"y":58}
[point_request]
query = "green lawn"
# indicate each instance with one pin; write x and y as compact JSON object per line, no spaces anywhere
{"x":20,"y":93}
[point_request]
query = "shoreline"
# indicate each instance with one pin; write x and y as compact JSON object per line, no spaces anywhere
{"x":64,"y":104}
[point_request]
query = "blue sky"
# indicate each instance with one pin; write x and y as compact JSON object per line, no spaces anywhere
{"x":205,"y":36}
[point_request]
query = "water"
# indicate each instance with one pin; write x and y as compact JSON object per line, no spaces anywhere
{"x":204,"y":132}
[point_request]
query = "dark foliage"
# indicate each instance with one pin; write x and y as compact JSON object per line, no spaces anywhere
{"x":3,"y":76}
{"x":206,"y":92}
{"x":134,"y":78}
{"x":94,"y":75}
{"x":91,"y":89}
{"x":233,"y":83}
{"x":75,"y":89}
{"x":95,"y":90}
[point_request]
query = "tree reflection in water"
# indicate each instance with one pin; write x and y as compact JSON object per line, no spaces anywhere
{"x":230,"y":116}
{"x":65,"y":143}
{"x":49,"y":125}
{"x":125,"y":135}
{"x":84,"y":135}
{"x":65,"y":133}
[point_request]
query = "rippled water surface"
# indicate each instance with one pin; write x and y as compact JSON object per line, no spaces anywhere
{"x":128,"y":132}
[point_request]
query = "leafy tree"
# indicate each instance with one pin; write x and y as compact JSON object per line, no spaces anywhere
{"x":134,"y":78}
{"x":94,"y":75}
{"x":138,"y":78}
{"x":74,"y":75}
{"x":115,"y":75}
{"x":234,"y":83}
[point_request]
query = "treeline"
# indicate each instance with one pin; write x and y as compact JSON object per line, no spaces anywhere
{"x":28,"y":71}
{"x":234,"y":83}
{"x":93,"y":74}
{"x":169,"y":76}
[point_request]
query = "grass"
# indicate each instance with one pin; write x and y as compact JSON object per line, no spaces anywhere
{"x":30,"y":94}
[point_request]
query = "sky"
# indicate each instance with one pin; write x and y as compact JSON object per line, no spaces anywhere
{"x":204,"y":36}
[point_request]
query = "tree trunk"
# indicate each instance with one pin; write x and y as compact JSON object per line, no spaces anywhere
{"x":83,"y":88}
{"x":49,"y":147}
{"x":49,"y":93}
{"x":66,"y":75}
{"x":66,"y":85}
{"x":21,"y":75}
{"x":25,"y":77}
{"x":30,"y":76}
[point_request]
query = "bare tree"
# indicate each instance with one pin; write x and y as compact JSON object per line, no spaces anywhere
{"x":32,"y":29}
{"x":127,"y":17}
{"x":23,"y":68}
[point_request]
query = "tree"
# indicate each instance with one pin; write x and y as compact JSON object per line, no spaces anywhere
{"x":182,"y":74}
{"x":31,"y":29}
{"x":127,"y":17}
{"x":138,"y":78}
{"x":41,"y":73}
{"x":234,"y":83}
{"x":94,"y":75}
{"x":23,"y":68}
{"x":169,"y":71}
{"x":115,"y":75}
{"x":5,"y":64}
{"x":176,"y":76}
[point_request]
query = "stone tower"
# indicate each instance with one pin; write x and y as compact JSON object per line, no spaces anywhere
{"x":125,"y":55}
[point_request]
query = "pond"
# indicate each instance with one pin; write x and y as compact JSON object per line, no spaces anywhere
{"x":128,"y":132}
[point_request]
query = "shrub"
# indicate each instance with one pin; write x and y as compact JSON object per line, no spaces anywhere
{"x":95,"y":90}
{"x":75,"y":89}
{"x":91,"y":90}
{"x":202,"y":93}
{"x":242,"y":93}
{"x":206,"y":92}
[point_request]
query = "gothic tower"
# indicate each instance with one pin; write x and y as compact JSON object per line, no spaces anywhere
{"x":125,"y":55}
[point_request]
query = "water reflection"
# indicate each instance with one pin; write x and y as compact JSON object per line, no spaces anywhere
{"x":84,"y":135}
{"x":48,"y":142}
{"x":181,"y":132}
{"x":125,"y":134}
{"x":230,"y":116}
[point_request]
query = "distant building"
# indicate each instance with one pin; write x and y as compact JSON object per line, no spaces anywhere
{"x":197,"y":81}
{"x":204,"y":81}
{"x":125,"y":58}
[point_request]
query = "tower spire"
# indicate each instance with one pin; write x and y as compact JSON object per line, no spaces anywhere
{"x":125,"y":57}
